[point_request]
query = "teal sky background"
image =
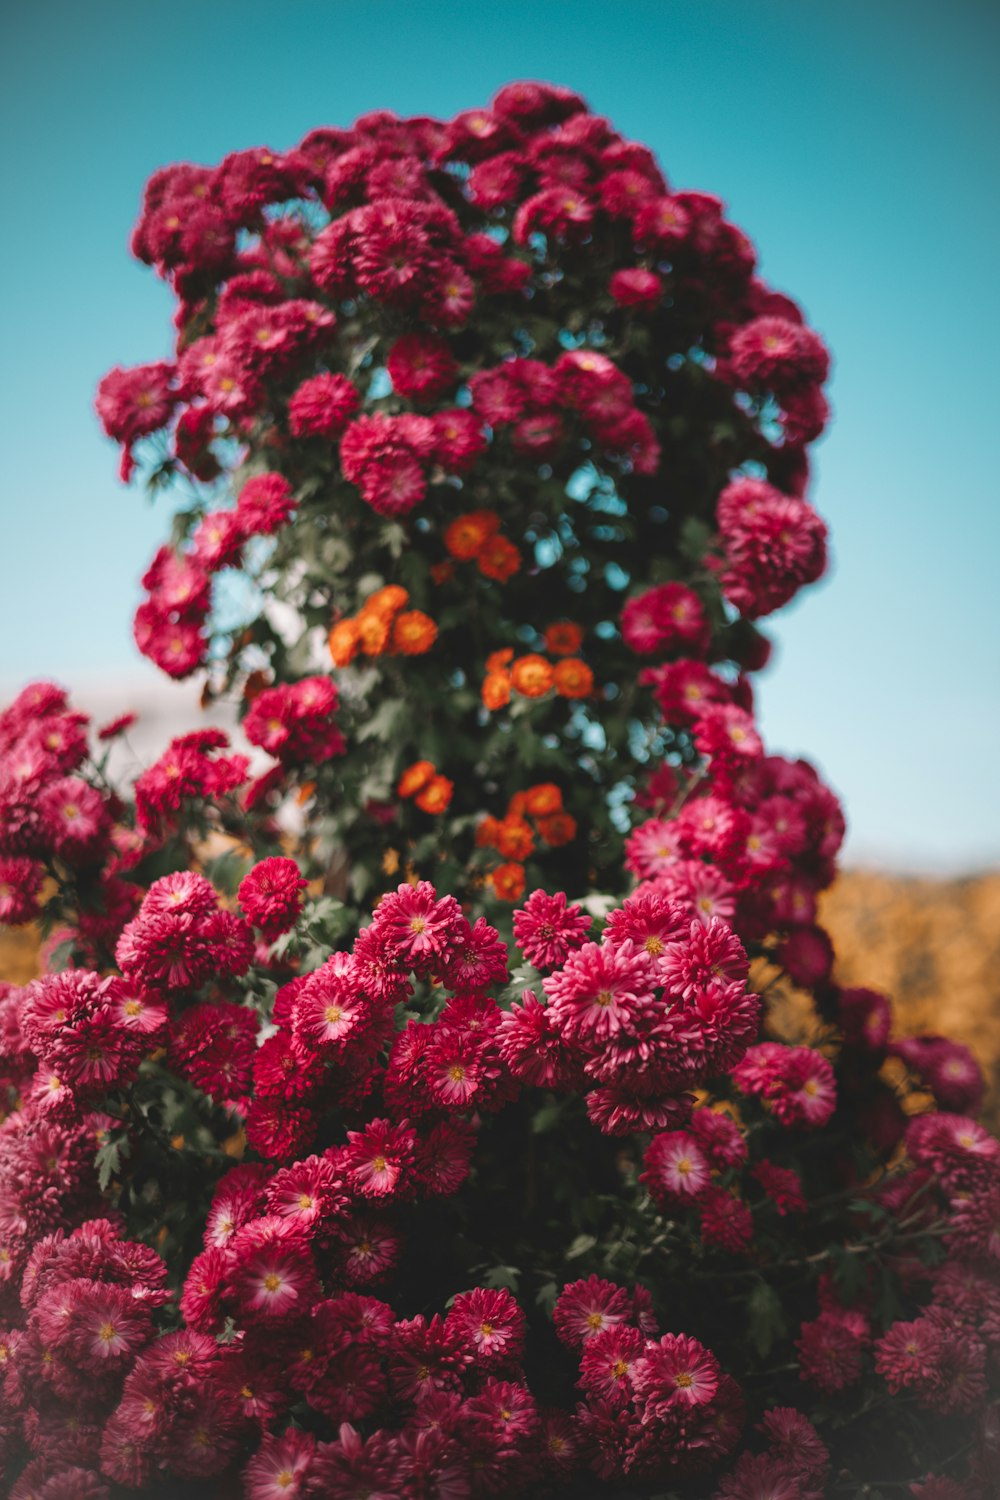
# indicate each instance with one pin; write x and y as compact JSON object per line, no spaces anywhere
{"x":857,"y":144}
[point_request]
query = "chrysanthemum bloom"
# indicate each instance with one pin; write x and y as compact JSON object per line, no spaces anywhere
{"x":635,"y":287}
{"x":573,"y":678}
{"x":532,"y":676}
{"x":264,"y":505}
{"x":488,"y":1328}
{"x":831,"y":1349}
{"x":794,"y":1439}
{"x":413,"y":633}
{"x":676,"y":1169}
{"x":415,"y":778}
{"x":548,"y":928}
{"x":378,"y":1158}
{"x":496,"y":690}
{"x":865,"y":1017}
{"x":668,"y":617}
{"x":322,"y":406}
{"x":421,"y":366}
{"x":271,"y":896}
{"x":764,"y":1476}
{"x":435,"y":796}
{"x":273,"y":1276}
{"x":498,"y":559}
{"x":783,"y":1186}
{"x":415,"y":925}
{"x":466,"y":536}
{"x":344,"y":641}
{"x":563,"y":638}
{"x":677,"y":1371}
{"x":507,"y":881}
{"x":281,"y":1467}
{"x":607,"y":1360}
{"x":586,"y":1308}
{"x":20,"y":883}
{"x":476,"y":960}
{"x":599,"y":990}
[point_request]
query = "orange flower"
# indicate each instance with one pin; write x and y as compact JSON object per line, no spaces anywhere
{"x":508,"y":881}
{"x":415,"y":778}
{"x":517,"y":806}
{"x":436,"y":795}
{"x":386,"y":601}
{"x":487,"y":832}
{"x":467,"y":535}
{"x":564,"y":639}
{"x":573,"y":678}
{"x":344,"y":640}
{"x":496,"y":690}
{"x":441,"y":571}
{"x":498,"y":559}
{"x":373,"y":631}
{"x":515,"y":839}
{"x":557,"y":829}
{"x":542,"y":799}
{"x":413,"y":633}
{"x":497,"y":660}
{"x":532,"y":675}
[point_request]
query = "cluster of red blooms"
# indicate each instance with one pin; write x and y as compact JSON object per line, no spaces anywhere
{"x":399,"y":319}
{"x":48,"y":811}
{"x":637,"y":1019}
{"x":275,"y":256}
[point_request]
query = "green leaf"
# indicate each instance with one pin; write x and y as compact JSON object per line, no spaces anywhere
{"x":109,"y":1159}
{"x":765,"y":1319}
{"x":505,"y":1276}
{"x":580,"y":1246}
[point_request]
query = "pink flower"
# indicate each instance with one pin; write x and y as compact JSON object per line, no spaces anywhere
{"x":271,"y":896}
{"x":830,"y":1349}
{"x":421,"y":366}
{"x":607,"y":1360}
{"x":667,"y":617}
{"x":547,"y":929}
{"x":794,"y":1439}
{"x":676,"y":1171}
{"x":598,"y":990}
{"x":265,"y":504}
{"x":586,"y":1308}
{"x":322,"y":406}
{"x":272,"y":1276}
{"x":488,"y":1327}
{"x":635,"y":287}
{"x":378,"y":1157}
{"x":281,"y":1467}
{"x":676,"y":1371}
{"x":416,"y":927}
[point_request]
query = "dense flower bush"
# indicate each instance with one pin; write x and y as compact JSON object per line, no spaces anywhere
{"x":460,"y":1101}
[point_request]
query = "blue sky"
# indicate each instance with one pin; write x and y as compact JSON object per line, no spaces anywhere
{"x":857,"y":144}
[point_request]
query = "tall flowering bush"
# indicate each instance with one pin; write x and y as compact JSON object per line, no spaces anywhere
{"x":460,"y":1101}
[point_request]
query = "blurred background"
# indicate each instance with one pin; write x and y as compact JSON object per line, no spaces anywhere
{"x":857,"y":145}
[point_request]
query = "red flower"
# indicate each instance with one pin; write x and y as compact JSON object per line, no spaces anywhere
{"x":271,"y":896}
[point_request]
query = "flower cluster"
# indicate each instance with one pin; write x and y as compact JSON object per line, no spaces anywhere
{"x":536,"y":813}
{"x":636,"y":1020}
{"x":533,"y":676}
{"x":424,"y":783}
{"x":371,"y":1149}
{"x":476,"y":538}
